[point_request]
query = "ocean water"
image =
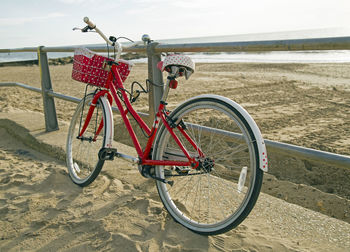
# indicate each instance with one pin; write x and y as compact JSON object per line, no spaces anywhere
{"x":338,"y":56}
{"x":328,"y":56}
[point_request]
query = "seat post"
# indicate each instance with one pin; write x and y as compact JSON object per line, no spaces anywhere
{"x":166,"y":88}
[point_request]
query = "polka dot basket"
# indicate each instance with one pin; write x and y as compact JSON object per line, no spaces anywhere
{"x":89,"y":67}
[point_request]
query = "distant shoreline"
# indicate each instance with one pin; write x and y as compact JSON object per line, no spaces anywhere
{"x":59,"y":61}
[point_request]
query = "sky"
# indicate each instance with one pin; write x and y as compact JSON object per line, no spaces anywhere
{"x":33,"y":23}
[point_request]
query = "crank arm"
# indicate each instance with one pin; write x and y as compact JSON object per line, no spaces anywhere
{"x":170,"y":182}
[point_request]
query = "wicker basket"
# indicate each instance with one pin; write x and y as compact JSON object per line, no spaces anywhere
{"x":88,"y":67}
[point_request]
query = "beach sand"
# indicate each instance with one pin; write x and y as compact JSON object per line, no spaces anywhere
{"x":304,"y":205}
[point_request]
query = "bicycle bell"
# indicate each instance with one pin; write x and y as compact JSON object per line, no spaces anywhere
{"x":146,"y":38}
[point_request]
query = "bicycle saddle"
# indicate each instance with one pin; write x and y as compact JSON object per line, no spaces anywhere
{"x":184,"y":62}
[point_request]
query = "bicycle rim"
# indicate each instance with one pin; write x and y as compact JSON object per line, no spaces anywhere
{"x":218,"y":195}
{"x":82,"y":154}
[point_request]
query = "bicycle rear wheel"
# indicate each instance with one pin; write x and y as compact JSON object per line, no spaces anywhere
{"x":82,"y":158}
{"x":220,"y":193}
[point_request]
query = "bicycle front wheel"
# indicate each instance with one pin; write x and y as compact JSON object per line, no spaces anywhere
{"x":218,"y":194}
{"x":82,"y":158}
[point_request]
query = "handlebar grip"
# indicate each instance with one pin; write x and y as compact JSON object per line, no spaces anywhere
{"x":89,"y":23}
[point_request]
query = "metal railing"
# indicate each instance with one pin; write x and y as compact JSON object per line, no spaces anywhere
{"x":154,"y":51}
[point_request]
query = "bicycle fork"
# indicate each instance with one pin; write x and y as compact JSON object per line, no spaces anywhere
{"x":105,"y":103}
{"x":106,"y":152}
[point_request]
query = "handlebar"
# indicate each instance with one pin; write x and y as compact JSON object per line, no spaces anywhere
{"x":89,"y":23}
{"x":115,"y":44}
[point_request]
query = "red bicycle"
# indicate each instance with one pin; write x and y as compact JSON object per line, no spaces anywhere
{"x":207,"y":156}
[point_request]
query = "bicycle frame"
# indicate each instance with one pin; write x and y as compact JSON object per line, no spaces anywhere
{"x":114,"y":84}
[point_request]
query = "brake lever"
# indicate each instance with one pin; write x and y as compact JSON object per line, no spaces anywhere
{"x":85,"y":29}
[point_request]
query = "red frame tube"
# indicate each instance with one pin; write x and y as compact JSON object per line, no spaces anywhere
{"x":114,"y":83}
{"x":189,"y":139}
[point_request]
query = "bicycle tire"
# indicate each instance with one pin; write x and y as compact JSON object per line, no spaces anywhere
{"x":209,"y":201}
{"x":82,"y":158}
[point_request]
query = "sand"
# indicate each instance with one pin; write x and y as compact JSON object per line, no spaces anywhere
{"x":303,"y":104}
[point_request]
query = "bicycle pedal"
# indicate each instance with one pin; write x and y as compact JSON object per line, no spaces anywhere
{"x":107,"y":153}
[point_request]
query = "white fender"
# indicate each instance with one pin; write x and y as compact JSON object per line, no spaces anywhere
{"x":108,"y":122}
{"x":263,"y":162}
